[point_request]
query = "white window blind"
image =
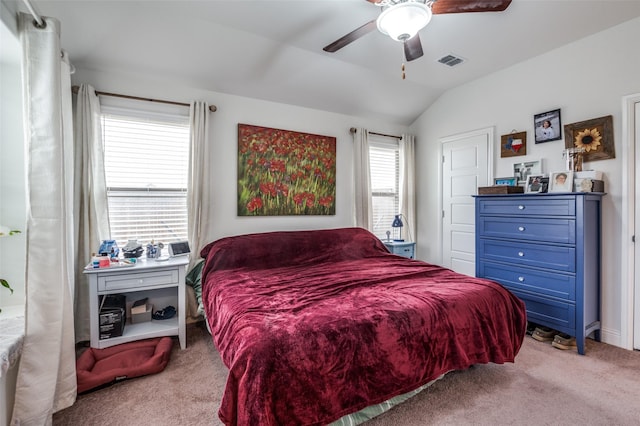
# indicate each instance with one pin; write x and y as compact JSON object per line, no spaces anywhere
{"x":384,"y":163}
{"x":146,"y":165}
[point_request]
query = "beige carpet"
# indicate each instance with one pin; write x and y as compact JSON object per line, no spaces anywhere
{"x":545,"y":386}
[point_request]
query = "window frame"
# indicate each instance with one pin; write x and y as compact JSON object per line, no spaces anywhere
{"x":153,"y":115}
{"x":393,"y":146}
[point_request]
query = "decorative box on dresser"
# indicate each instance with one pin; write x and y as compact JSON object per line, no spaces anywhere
{"x":545,"y":248}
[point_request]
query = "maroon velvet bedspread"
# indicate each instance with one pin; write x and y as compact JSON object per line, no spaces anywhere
{"x":314,"y":325}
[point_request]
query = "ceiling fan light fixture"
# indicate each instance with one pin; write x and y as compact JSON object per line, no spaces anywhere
{"x":403,"y":20}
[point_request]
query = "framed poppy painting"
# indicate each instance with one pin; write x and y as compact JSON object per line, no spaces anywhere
{"x":285,"y":173}
{"x":595,"y":136}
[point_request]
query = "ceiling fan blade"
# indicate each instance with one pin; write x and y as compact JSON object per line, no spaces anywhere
{"x":465,"y":6}
{"x":351,"y":37}
{"x":413,"y":48}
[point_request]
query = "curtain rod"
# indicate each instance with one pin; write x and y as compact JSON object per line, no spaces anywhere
{"x":33,"y":13}
{"x":75,"y":89}
{"x":353,"y":130}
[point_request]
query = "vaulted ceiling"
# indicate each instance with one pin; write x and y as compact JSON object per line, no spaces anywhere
{"x":272,"y":49}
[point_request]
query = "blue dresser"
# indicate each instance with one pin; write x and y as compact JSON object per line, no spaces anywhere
{"x":545,"y":248}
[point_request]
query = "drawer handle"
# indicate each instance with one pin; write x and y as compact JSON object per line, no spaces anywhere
{"x":521,"y":207}
{"x":521,"y":254}
{"x":521,"y":279}
{"x":521,"y":228}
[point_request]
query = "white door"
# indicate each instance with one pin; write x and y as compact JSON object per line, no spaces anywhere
{"x":466,"y":161}
{"x":636,"y":309}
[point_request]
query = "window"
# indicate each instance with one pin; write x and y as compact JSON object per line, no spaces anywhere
{"x":384,"y":162}
{"x":146,"y":165}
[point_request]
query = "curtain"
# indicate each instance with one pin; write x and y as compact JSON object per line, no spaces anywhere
{"x":362,"y":180}
{"x":199,"y":184}
{"x":408,"y":183}
{"x":90,"y":208}
{"x":46,"y":377}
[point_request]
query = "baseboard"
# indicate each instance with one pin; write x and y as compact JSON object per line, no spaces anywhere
{"x":611,"y":337}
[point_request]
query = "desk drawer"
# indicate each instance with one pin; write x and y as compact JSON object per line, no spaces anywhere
{"x":137,"y":280}
{"x":561,"y":286}
{"x":554,"y":314}
{"x":561,"y":231}
{"x":406,"y":250}
{"x":527,"y":206}
{"x":559,"y":258}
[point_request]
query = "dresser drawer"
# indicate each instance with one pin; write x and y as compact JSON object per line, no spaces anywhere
{"x":558,"y":315}
{"x":561,"y":231}
{"x":559,"y":258}
{"x":560,"y":286}
{"x":527,"y":206}
{"x":110,"y":282}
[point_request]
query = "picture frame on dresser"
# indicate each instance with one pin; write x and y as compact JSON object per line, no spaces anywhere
{"x":521,"y":171}
{"x":507,"y":181}
{"x":537,"y":183}
{"x":561,"y":181}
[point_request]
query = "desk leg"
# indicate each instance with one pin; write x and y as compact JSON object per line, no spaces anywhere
{"x":94,"y":318}
{"x":182,"y":313}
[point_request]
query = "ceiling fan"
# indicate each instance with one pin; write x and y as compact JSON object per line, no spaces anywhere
{"x":402,"y":19}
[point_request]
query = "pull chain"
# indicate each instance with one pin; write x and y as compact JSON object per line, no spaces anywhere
{"x":403,"y":67}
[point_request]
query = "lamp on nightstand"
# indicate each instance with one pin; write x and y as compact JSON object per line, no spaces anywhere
{"x":397,"y":228}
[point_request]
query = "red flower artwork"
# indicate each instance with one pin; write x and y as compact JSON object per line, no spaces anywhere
{"x":281,"y":172}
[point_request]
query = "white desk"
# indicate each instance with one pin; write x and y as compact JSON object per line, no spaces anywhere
{"x":162,"y":282}
{"x":402,"y":248}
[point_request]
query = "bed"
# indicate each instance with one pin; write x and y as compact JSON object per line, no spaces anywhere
{"x":315,"y":325}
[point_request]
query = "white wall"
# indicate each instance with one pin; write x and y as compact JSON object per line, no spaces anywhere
{"x":586,"y":80}
{"x":223,"y":137}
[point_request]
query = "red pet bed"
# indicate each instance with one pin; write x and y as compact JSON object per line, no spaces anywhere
{"x":97,"y":367}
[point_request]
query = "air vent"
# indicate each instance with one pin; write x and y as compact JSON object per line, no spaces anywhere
{"x":451,"y":60}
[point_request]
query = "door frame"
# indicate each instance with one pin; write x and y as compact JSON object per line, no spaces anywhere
{"x":630,"y":288}
{"x":489,"y":132}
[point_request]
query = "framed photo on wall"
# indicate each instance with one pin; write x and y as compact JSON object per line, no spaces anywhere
{"x":547,"y":126}
{"x":595,"y":136}
{"x":513,"y":144}
{"x":561,"y":182}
